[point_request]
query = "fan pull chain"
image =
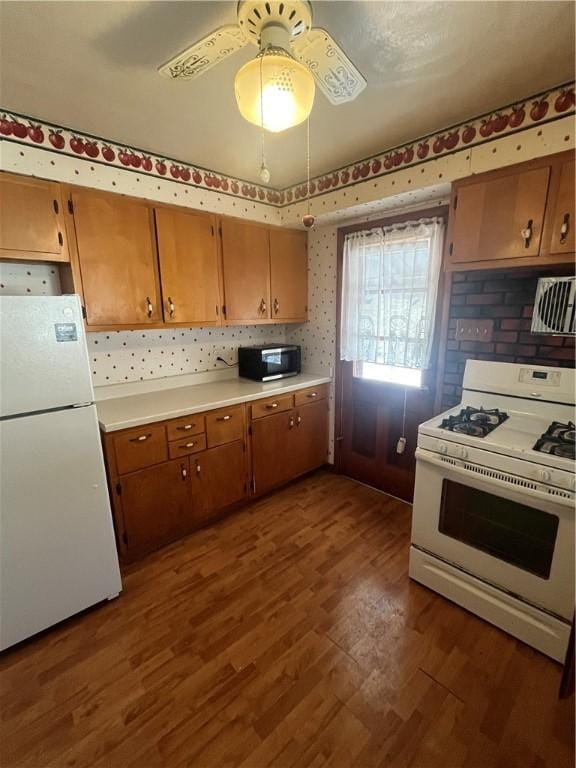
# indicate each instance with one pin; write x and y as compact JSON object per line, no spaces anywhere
{"x":308,"y":218}
{"x":264,"y":171}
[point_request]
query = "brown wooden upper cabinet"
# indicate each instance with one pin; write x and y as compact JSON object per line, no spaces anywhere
{"x":265,"y":273}
{"x":288,"y":275}
{"x":31,"y":221}
{"x":500,"y":218}
{"x":246,"y":267}
{"x":189,"y":266}
{"x":562,"y":214}
{"x":516,"y":216}
{"x":117,"y":259}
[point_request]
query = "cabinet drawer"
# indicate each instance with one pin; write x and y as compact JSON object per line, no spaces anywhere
{"x":187,"y":425}
{"x":272,"y":405}
{"x":140,"y":448}
{"x":225,"y":425}
{"x":311,"y":394}
{"x":187,"y":445}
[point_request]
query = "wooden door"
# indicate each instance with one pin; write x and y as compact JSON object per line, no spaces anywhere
{"x":156,"y":506}
{"x":289,"y":275}
{"x":117,"y":259}
{"x":501,"y":218}
{"x":310,"y":448}
{"x":219,"y":478}
{"x":370,"y":424}
{"x":189,"y":267}
{"x":31,"y":221}
{"x":246,"y":267}
{"x":563,"y":215}
{"x":273,"y":440}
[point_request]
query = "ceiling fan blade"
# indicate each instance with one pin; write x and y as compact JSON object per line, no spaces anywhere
{"x":335,"y":75}
{"x":204,"y":54}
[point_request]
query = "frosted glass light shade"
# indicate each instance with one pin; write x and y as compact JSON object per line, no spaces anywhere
{"x":287,"y":91}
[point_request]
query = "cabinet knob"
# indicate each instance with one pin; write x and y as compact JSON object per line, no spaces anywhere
{"x":271,"y":406}
{"x":184,"y":472}
{"x":140,"y":438}
{"x":185,"y":427}
{"x":198,"y":468}
{"x":171,"y":307}
{"x":276,"y":306}
{"x":188,"y":445}
{"x":299,"y":420}
{"x":291,"y":422}
{"x":149,"y":306}
{"x":564,"y":229}
{"x":262,"y":305}
{"x":313,"y":394}
{"x":527,"y":233}
{"x":224,"y":418}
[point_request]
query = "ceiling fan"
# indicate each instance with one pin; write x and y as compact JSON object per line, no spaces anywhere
{"x":276,"y":89}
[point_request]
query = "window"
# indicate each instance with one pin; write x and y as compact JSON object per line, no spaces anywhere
{"x":389,"y":291}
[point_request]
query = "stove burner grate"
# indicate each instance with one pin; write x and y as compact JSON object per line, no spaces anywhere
{"x":476,"y":422}
{"x":558,"y":440}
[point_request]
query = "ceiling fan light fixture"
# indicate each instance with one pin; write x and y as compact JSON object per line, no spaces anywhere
{"x":274,"y":91}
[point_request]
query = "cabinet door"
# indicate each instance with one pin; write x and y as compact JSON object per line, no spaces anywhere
{"x":246,"y":266}
{"x":563,"y":223}
{"x":273,"y":438}
{"x":218,"y":478}
{"x":310,"y":448}
{"x":492,"y":218}
{"x":117,"y":259}
{"x":156,"y":506}
{"x":31,"y":225}
{"x":189,"y":269}
{"x":289,"y":275}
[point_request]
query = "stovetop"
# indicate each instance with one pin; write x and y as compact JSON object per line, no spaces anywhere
{"x":476,"y":422}
{"x":558,"y":440}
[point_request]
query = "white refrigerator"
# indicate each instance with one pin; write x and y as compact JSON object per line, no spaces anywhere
{"x":57,"y":548}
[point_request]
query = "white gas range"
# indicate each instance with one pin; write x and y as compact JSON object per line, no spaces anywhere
{"x":493,"y":515}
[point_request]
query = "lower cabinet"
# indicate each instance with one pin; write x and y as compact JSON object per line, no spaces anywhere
{"x":219,"y":478}
{"x":289,"y":444}
{"x":156,"y":506}
{"x":165,"y":482}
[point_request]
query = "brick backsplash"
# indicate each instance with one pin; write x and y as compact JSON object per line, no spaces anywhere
{"x":506,"y":296}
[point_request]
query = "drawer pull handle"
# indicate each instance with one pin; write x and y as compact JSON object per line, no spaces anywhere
{"x":271,"y":406}
{"x":149,"y":306}
{"x":223,"y":418}
{"x":140,"y":438}
{"x":564,"y":228}
{"x":313,"y":394}
{"x":527,"y":234}
{"x":171,"y":307}
{"x":188,"y":445}
{"x":185,"y":428}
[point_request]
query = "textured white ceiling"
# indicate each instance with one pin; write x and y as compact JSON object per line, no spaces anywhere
{"x":92,"y":66}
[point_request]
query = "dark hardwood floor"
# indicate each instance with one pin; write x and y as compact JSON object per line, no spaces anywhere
{"x":286,"y":635}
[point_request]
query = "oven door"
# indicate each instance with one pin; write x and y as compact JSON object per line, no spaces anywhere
{"x":517,"y":539}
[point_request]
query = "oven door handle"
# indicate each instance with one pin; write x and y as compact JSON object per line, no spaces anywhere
{"x":494,"y":477}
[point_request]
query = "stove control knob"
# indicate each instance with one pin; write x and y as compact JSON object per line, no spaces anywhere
{"x":463,"y":453}
{"x":544,"y":475}
{"x":442,"y":447}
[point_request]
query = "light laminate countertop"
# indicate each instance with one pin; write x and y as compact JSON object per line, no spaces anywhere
{"x":133,"y":410}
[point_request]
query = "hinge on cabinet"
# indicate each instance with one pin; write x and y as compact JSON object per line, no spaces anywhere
{"x":119,"y":490}
{"x":70,"y":206}
{"x":220,"y":229}
{"x":456,"y":202}
{"x":451,"y":248}
{"x":84,"y":315}
{"x":60,"y":238}
{"x":253,"y":485}
{"x":56,"y":206}
{"x":250,"y":430}
{"x":217,"y":309}
{"x":212,"y":229}
{"x":224,"y":309}
{"x":125,"y":538}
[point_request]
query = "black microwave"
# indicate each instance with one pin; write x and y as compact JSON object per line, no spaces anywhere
{"x":269,"y":361}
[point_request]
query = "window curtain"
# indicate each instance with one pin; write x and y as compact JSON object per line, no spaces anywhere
{"x":389,"y":293}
